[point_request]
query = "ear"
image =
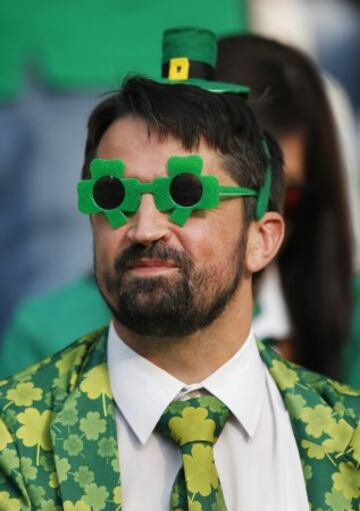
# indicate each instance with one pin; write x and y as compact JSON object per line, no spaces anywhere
{"x":264,"y":240}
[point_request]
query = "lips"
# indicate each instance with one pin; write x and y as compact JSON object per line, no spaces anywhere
{"x":148,"y":264}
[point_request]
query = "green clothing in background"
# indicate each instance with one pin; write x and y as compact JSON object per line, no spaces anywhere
{"x":46,"y":324}
{"x":93,"y":43}
{"x":351,"y":365}
{"x":59,"y":445}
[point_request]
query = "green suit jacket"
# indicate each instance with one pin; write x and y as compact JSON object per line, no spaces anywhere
{"x":58,"y":444}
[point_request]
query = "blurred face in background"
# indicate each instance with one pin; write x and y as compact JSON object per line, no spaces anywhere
{"x":293,"y":148}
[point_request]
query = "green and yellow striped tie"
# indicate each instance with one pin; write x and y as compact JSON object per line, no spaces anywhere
{"x":195,"y":425}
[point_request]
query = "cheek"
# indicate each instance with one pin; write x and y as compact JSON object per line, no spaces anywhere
{"x":212,"y":239}
{"x":107,"y":242}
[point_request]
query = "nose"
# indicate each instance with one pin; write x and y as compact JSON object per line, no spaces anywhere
{"x":148,"y":224}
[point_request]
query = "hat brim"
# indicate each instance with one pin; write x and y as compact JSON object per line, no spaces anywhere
{"x":235,"y":88}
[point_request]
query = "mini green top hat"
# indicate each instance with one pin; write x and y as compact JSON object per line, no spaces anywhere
{"x":189,"y":57}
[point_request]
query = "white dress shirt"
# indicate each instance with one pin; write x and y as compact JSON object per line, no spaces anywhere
{"x":256,"y":455}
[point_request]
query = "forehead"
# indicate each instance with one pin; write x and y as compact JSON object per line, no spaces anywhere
{"x":145,"y":155}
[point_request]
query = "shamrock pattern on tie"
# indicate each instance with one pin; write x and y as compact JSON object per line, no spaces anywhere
{"x":195,"y":425}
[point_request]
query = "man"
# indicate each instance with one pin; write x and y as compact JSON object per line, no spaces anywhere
{"x":185,"y":193}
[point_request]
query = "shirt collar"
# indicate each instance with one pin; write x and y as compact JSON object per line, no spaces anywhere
{"x":142,"y":390}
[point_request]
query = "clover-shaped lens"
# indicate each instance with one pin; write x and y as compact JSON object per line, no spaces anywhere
{"x":108,"y":192}
{"x":186,"y":189}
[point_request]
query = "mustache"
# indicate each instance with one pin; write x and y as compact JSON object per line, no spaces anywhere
{"x":159,"y":250}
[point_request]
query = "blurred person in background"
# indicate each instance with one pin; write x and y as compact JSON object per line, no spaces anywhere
{"x":309,"y":301}
{"x":55,"y":60}
{"x":329,"y":31}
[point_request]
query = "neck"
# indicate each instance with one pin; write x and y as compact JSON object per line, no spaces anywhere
{"x":193,"y":358}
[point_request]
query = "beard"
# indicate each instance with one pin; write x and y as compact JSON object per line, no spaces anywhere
{"x":172,"y":306}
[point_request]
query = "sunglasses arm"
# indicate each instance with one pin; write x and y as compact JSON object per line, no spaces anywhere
{"x":236,"y":191}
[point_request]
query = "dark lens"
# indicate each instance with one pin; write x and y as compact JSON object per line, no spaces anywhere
{"x":108,"y":192}
{"x":186,"y":189}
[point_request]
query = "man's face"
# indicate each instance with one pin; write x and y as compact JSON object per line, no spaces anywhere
{"x":160,"y":279}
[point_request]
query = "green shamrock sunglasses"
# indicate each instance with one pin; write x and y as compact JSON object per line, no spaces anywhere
{"x":182,"y":192}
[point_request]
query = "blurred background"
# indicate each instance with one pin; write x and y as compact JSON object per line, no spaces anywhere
{"x":56,"y":61}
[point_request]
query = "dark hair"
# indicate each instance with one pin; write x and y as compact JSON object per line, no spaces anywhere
{"x":287,"y":94}
{"x":188,"y":114}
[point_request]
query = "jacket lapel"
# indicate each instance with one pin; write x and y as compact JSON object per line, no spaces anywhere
{"x":324,"y":430}
{"x":84,"y":435}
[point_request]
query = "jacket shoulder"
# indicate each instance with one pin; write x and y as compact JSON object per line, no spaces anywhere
{"x":30,"y":401}
{"x":40,"y":385}
{"x":292,"y":378}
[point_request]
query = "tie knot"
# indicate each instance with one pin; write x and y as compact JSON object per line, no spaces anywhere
{"x":195,"y":420}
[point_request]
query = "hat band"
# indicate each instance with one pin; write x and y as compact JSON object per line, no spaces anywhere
{"x":181,"y":68}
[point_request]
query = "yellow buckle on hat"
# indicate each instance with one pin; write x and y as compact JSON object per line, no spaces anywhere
{"x":179,"y":68}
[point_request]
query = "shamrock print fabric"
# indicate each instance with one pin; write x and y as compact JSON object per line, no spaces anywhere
{"x":58,"y":444}
{"x":59,"y":448}
{"x":325,"y":420}
{"x":195,"y":425}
